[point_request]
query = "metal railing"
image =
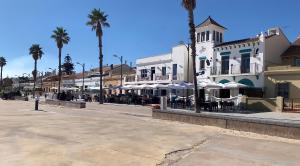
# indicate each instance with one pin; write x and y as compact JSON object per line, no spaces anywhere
{"x":154,"y":77}
{"x":162,"y":77}
{"x":130,"y":79}
{"x":253,"y":68}
{"x":291,"y":105}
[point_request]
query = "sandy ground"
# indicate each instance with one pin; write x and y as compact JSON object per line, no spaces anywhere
{"x":111,"y":135}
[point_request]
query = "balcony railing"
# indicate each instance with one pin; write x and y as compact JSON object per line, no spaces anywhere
{"x":253,"y":68}
{"x":130,"y":79}
{"x":154,"y":77}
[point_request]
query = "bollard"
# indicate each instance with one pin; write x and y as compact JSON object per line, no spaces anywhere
{"x":36,"y":103}
{"x":163,"y":103}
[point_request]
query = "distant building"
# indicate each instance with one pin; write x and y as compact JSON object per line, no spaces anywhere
{"x":111,"y":78}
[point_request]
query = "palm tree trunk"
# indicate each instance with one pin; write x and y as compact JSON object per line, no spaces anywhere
{"x":59,"y":69}
{"x":34,"y":77}
{"x":1,"y":83}
{"x":193,"y":47}
{"x":100,"y":69}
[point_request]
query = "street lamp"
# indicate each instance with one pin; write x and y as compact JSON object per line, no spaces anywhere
{"x":188,"y":65}
{"x":42,"y":76}
{"x":18,"y":81}
{"x":52,"y":71}
{"x":83,"y":70}
{"x":121,"y":59}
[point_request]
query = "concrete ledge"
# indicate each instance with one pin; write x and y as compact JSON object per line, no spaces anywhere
{"x":271,"y":127}
{"x":72,"y":104}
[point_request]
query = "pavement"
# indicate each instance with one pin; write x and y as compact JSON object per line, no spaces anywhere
{"x":120,"y":135}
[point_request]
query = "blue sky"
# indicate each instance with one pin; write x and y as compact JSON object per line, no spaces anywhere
{"x":139,"y":28}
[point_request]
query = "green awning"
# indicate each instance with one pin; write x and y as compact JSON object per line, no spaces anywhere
{"x":224,"y":81}
{"x":225,"y":53}
{"x":247,"y":82}
{"x":245,"y":50}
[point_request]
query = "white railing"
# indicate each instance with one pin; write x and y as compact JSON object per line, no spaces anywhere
{"x":253,"y":68}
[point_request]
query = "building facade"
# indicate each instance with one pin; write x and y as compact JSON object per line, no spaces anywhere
{"x":163,"y":69}
{"x":284,"y":79}
{"x":243,"y":61}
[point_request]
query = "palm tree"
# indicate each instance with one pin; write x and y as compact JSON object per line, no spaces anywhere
{"x":2,"y":64}
{"x":190,"y":6}
{"x":61,"y":37}
{"x":36,"y":51}
{"x":98,"y":20}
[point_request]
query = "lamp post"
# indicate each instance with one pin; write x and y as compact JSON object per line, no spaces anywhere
{"x":83,"y":70}
{"x":26,"y":80}
{"x":121,"y":59}
{"x":42,"y":76}
{"x":188,"y":65}
{"x":51,"y":75}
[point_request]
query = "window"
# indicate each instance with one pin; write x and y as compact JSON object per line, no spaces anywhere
{"x":221,"y":37}
{"x":202,"y":36}
{"x":214,"y":35}
{"x":144,"y":73}
{"x":225,"y":65}
{"x":283,"y":90}
{"x":207,"y":35}
{"x":152,"y":72}
{"x":218,"y":36}
{"x":202,"y":64}
{"x":164,"y":71}
{"x":245,"y":63}
{"x":297,"y":62}
{"x":174,"y":72}
{"x":198,"y":37}
{"x":174,"y":69}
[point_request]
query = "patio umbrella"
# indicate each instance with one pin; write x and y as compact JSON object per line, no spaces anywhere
{"x":127,"y":87}
{"x":234,"y":85}
{"x":208,"y":84}
{"x":182,"y":85}
{"x":159,"y":86}
{"x":143,"y":86}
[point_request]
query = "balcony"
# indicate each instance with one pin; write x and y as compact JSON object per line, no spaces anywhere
{"x":285,"y":70}
{"x":252,"y":69}
{"x":156,"y":77}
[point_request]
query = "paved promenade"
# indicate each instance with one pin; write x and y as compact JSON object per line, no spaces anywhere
{"x":127,"y":136}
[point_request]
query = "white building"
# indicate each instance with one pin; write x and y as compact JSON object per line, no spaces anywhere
{"x":162,"y":69}
{"x":243,"y":61}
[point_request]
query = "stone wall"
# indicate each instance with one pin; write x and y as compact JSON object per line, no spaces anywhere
{"x":73,"y":104}
{"x":260,"y":126}
{"x":263,"y":104}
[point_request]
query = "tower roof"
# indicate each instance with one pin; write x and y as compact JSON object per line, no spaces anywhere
{"x":209,"y":21}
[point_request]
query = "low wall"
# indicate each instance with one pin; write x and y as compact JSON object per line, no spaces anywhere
{"x":73,"y":104}
{"x":260,"y":126}
{"x":261,"y":104}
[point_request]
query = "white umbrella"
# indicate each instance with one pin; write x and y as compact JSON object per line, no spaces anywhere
{"x":183,"y":85}
{"x":128,"y":87}
{"x":209,"y":84}
{"x":234,"y":85}
{"x":143,"y":86}
{"x":159,"y":86}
